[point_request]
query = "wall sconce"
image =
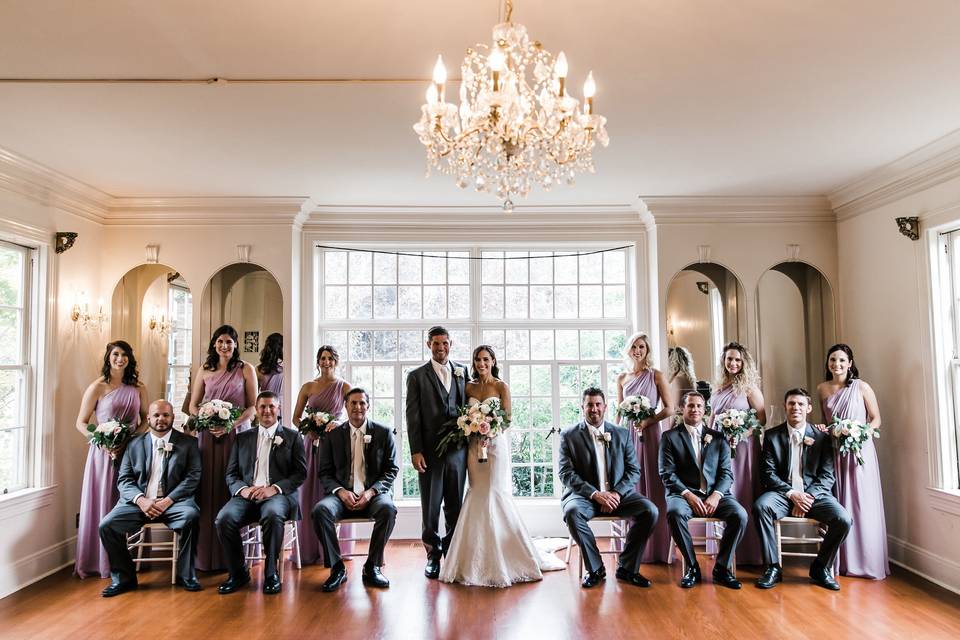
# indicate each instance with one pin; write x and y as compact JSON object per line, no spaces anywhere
{"x":161,"y":326}
{"x":80,"y":312}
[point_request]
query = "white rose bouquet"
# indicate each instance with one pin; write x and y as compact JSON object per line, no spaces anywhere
{"x":215,"y":414}
{"x":636,"y":409}
{"x":851,"y":436}
{"x":482,"y":421}
{"x":110,"y":435}
{"x":736,"y":426}
{"x":316,"y":422}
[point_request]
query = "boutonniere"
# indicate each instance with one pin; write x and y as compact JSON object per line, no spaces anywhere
{"x":458,"y":371}
{"x":707,"y":439}
{"x":367,"y":439}
{"x":167,"y":447}
{"x":607,"y":438}
{"x":808,"y":441}
{"x":278,"y":440}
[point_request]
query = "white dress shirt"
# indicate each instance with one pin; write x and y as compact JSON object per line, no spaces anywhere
{"x":444,"y":372}
{"x":695,"y":433}
{"x":601,"y":449}
{"x":261,"y":473}
{"x":796,"y":447}
{"x":357,"y":466}
{"x":156,"y":467}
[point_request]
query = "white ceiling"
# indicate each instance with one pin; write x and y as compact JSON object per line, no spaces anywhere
{"x":703,"y":97}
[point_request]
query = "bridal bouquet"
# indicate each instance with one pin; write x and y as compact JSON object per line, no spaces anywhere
{"x":316,"y":422}
{"x":215,"y":414}
{"x":851,"y":435}
{"x":737,"y":425}
{"x":110,"y":435}
{"x":482,"y":421}
{"x":636,"y":409}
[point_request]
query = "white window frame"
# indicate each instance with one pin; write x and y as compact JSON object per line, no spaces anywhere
{"x":945,"y":281}
{"x":171,"y":366}
{"x":476,"y":326}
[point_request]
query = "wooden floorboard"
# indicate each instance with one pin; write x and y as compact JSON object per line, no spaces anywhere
{"x":904,"y":606}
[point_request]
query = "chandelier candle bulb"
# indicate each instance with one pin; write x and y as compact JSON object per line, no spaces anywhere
{"x":495,"y":60}
{"x":440,"y":77}
{"x":589,"y":90}
{"x":560,"y":68}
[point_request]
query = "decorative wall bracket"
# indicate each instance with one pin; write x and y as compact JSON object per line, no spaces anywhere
{"x":64,"y":240}
{"x":243,"y":252}
{"x":793,"y":252}
{"x":909,"y":227}
{"x":704,"y":287}
{"x":152,"y":253}
{"x":703,"y":252}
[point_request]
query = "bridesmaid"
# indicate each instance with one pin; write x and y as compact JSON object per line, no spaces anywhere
{"x":327,"y":393}
{"x":224,"y":376}
{"x":738,"y":387}
{"x":681,"y":377}
{"x":845,"y":396}
{"x":641,"y":378}
{"x":117,"y":393}
{"x":270,"y":370}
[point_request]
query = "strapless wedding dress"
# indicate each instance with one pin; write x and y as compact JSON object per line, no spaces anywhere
{"x":490,"y":545}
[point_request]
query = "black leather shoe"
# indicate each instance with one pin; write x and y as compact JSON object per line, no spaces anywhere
{"x":234,"y":583}
{"x":822,"y":578}
{"x":630,"y":577}
{"x":271,"y":584}
{"x":593,"y":578}
{"x":691,"y":576}
{"x":373,"y":577}
{"x":189,"y":584}
{"x":117,"y":588}
{"x":432,"y":570}
{"x":338,"y":575}
{"x":723,"y":577}
{"x":772,"y":574}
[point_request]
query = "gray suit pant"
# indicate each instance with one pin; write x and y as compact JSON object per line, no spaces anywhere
{"x":774,"y":505}
{"x":578,"y":511}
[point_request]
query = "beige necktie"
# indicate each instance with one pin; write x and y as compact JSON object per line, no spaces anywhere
{"x":261,"y":476}
{"x":697,"y":446}
{"x":156,"y":471}
{"x":445,"y":376}
{"x":358,"y":479}
{"x":796,"y":445}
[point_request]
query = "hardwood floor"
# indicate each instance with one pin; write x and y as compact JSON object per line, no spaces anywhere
{"x":903,"y":606}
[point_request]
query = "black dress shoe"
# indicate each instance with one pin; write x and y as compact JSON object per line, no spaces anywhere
{"x":372,"y":576}
{"x":432,"y":570}
{"x":189,"y":584}
{"x":723,"y":577}
{"x":691,"y":576}
{"x":593,"y":578}
{"x":117,"y":588}
{"x":822,"y":578}
{"x":630,"y":577}
{"x":338,"y":575}
{"x":234,"y":583}
{"x":771,"y":576}
{"x":271,"y":584}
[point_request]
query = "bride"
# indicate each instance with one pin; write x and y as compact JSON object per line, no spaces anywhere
{"x":491,"y":546}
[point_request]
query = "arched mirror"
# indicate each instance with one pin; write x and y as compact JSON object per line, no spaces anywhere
{"x":152,"y":309}
{"x":705,"y":310}
{"x":247,"y":297}
{"x":797,"y":324}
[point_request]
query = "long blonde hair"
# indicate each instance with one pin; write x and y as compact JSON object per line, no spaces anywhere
{"x":681,"y":361}
{"x":628,"y":362}
{"x":746,"y":379}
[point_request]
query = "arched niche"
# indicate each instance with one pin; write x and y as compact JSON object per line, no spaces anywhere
{"x":247,"y":297}
{"x":152,"y":309}
{"x":796,"y":318}
{"x":705,"y":309}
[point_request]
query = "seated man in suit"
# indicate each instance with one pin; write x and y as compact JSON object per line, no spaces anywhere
{"x":358,"y":465}
{"x":265,"y":470}
{"x":159,"y":475}
{"x":796,"y":472}
{"x":599,"y":468}
{"x":697,"y":474}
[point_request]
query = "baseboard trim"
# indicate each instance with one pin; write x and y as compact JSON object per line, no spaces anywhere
{"x":37,"y":566}
{"x":927,"y":565}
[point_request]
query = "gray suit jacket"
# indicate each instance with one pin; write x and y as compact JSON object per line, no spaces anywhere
{"x":578,"y":461}
{"x":379,"y":458}
{"x":182,"y":476}
{"x":678,"y":465}
{"x":429,"y":407}
{"x":288,"y":464}
{"x":816,"y":460}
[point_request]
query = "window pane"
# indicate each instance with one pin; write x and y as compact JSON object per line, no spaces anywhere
{"x":335,"y":267}
{"x":458,"y":268}
{"x":383,"y":382}
{"x":565,"y":270}
{"x":384,"y":269}
{"x":409,"y":269}
{"x":541,"y":344}
{"x":435,"y":302}
{"x":541,"y":269}
{"x":385,"y":345}
{"x":541,"y":302}
{"x":411,"y":345}
{"x":360,"y":345}
{"x":616,"y":341}
{"x":565,"y":301}
{"x":434,"y":268}
{"x":11,"y":391}
{"x":361,"y":264}
{"x":520,"y":450}
{"x":591,"y":268}
{"x":385,"y":302}
{"x":568,"y":341}
{"x":591,"y":302}
{"x":491,"y":303}
{"x":361,"y":376}
{"x":462,"y":349}
{"x":516,"y":269}
{"x":11,"y":277}
{"x":614,"y":266}
{"x":458,"y":302}
{"x":519,"y":380}
{"x":409,"y":305}
{"x":591,"y":345}
{"x":516,"y":302}
{"x":12,"y":459}
{"x":541,"y":380}
{"x":496,"y":340}
{"x":361,"y":302}
{"x":492,"y":269}
{"x":10,"y":332}
{"x":518,"y":345}
{"x":335,"y":303}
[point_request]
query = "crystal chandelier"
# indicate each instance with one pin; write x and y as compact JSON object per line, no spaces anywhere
{"x":516,"y":125}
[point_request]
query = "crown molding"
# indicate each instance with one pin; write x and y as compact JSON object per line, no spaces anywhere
{"x":668,"y":210}
{"x":51,"y":188}
{"x":921,"y":169}
{"x":205,"y":211}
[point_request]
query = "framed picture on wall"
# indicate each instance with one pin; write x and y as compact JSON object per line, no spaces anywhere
{"x":251,"y":341}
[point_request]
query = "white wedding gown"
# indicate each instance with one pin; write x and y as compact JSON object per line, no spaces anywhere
{"x":490,"y":545}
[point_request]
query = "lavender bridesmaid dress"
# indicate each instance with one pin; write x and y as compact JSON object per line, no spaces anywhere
{"x":214,"y":455}
{"x":648,"y":452}
{"x":99,"y":491}
{"x":329,"y":400}
{"x":864,"y":553}
{"x":745,"y":475}
{"x":273,"y":382}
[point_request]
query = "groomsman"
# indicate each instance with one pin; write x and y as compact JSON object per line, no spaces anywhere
{"x":696,"y":471}
{"x":266,"y":468}
{"x":159,"y":475}
{"x":599,"y":468}
{"x":358,"y":465}
{"x":796,"y":471}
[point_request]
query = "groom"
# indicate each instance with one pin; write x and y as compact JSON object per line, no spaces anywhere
{"x":598,"y":467}
{"x":435,"y":392}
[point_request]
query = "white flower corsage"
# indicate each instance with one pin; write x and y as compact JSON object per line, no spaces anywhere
{"x":367,"y":439}
{"x":458,"y":371}
{"x":607,"y":437}
{"x":167,"y":447}
{"x":808,"y":441}
{"x":277,"y":440}
{"x":707,"y":438}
